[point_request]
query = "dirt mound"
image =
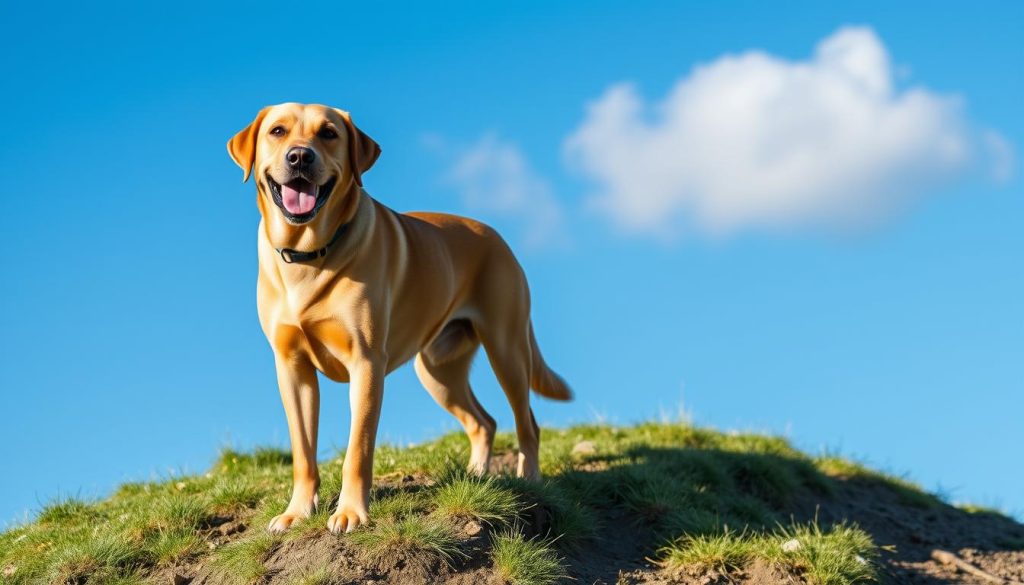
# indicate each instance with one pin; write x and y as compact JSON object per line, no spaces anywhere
{"x":908,"y":527}
{"x":647,"y":504}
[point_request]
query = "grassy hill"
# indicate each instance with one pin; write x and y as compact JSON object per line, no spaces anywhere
{"x":652,"y":503}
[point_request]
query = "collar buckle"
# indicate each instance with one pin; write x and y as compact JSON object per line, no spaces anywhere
{"x":286,"y":255}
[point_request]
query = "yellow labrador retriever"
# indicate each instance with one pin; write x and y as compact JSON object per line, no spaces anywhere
{"x":353,"y":289}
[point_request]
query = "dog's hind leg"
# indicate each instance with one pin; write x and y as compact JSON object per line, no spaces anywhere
{"x":448,"y":382}
{"x":510,"y":359}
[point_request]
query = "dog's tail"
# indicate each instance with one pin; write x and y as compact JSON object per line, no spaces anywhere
{"x":543,"y":379}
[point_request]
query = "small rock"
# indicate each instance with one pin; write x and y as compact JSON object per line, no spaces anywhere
{"x":472,"y":528}
{"x":211,"y":545}
{"x":180,"y":579}
{"x":10,"y":570}
{"x":584,"y":448}
{"x":791,"y":545}
{"x":180,"y":485}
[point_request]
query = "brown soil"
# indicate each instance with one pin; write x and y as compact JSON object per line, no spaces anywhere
{"x":907,"y":530}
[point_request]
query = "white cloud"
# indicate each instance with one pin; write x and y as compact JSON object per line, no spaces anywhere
{"x":1000,"y":155}
{"x":494,"y":178}
{"x":757,"y":141}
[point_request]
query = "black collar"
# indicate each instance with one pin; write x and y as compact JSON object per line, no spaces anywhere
{"x":290,"y":256}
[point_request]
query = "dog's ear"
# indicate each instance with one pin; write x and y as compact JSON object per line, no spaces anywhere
{"x":362,"y":150}
{"x":242,"y":146}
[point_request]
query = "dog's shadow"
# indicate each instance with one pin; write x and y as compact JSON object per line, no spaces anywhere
{"x":668,"y":492}
{"x":611,"y":513}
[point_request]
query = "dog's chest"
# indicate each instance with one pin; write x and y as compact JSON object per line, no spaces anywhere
{"x":317,"y":327}
{"x":331,"y":348}
{"x":325,"y":343}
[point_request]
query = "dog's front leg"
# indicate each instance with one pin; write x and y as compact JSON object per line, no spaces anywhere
{"x":366,"y":392}
{"x":300,"y":394}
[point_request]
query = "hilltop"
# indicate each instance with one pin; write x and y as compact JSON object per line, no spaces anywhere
{"x":645,"y":504}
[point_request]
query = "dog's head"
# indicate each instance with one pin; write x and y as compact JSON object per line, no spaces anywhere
{"x":301,"y":155}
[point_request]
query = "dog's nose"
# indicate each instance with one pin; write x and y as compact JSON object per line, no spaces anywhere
{"x":300,"y":157}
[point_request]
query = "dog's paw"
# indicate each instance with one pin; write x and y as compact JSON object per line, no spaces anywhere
{"x":283,"y":522}
{"x":299,"y":508}
{"x":528,"y":468}
{"x":477,"y":467}
{"x":347,"y":518}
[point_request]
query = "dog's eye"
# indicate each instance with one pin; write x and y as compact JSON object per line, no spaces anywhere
{"x":277,"y":131}
{"x":327,"y":133}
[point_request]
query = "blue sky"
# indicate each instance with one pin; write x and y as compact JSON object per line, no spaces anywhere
{"x":820,"y":238}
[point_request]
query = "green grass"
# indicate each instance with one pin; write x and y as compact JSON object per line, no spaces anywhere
{"x":721,"y":552}
{"x":321,"y":576}
{"x":244,"y":562}
{"x":483,"y":499}
{"x":234,"y":495}
{"x":65,"y":510}
{"x":570,"y":524}
{"x":526,"y":562}
{"x":143,"y":526}
{"x":840,"y":555}
{"x":701,"y":497}
{"x":908,"y":492}
{"x":843,"y":554}
{"x":422,"y":537}
{"x":95,"y":559}
{"x":979,"y":509}
{"x":395,"y":505}
{"x":174,"y":546}
{"x":179,"y":512}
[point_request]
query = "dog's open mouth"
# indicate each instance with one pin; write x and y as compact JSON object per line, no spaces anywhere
{"x":300,"y":199}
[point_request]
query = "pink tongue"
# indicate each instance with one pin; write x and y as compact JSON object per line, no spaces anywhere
{"x":298,"y":196}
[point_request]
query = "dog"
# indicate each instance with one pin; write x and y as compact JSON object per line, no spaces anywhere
{"x":353,"y":289}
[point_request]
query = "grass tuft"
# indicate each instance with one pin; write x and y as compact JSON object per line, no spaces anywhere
{"x":480,"y":498}
{"x":180,"y":513}
{"x":174,"y":546}
{"x":320,"y":576}
{"x":723,"y":552}
{"x":421,"y":535}
{"x":525,"y":562}
{"x":234,"y":495}
{"x":65,"y":510}
{"x":232,"y":461}
{"x":843,"y":555}
{"x":244,"y":562}
{"x":93,"y":559}
{"x":395,"y":505}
